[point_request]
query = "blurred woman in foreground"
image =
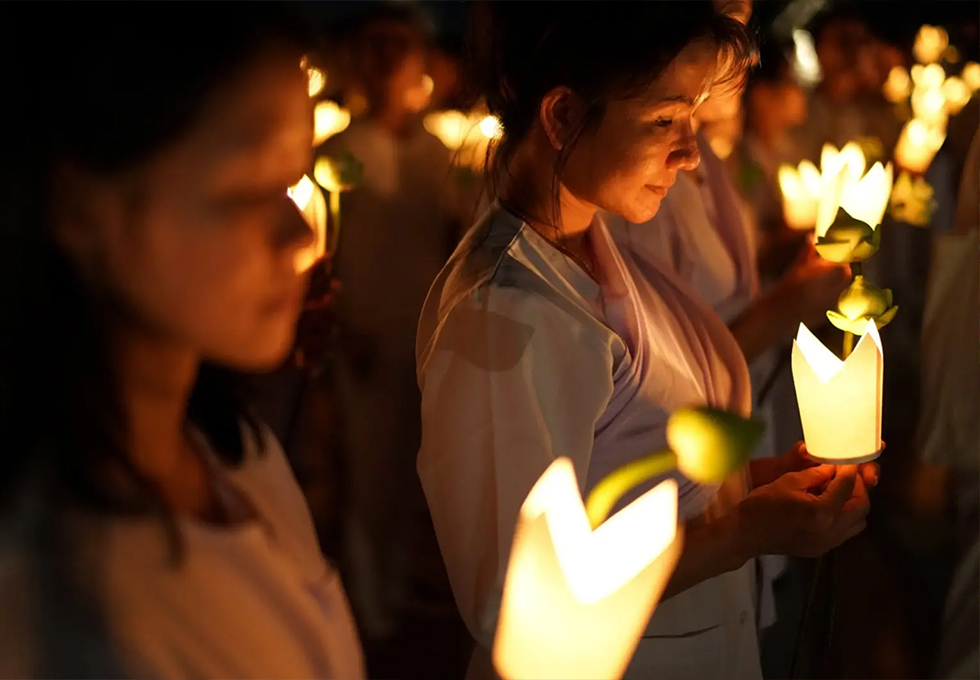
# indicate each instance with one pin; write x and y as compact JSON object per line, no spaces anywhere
{"x":151,"y":527}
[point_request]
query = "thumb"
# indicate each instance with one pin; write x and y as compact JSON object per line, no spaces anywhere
{"x":838,"y":491}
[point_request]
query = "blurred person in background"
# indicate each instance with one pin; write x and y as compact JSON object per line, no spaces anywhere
{"x":839,"y":35}
{"x":774,"y":105}
{"x":949,"y":430}
{"x":150,"y":526}
{"x":543,"y":337}
{"x":399,"y":227}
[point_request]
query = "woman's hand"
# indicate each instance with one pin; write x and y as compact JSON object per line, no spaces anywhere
{"x":810,"y":288}
{"x":767,"y":470}
{"x":804,"y":513}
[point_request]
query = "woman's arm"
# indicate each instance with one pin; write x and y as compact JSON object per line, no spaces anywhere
{"x":511,"y":383}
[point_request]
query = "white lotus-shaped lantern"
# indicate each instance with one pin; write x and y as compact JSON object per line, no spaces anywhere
{"x":576,"y":601}
{"x":918,"y":145}
{"x":839,"y":400}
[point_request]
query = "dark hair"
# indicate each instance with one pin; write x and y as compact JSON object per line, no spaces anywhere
{"x":775,"y":64}
{"x":519,"y":51}
{"x":104,"y":86}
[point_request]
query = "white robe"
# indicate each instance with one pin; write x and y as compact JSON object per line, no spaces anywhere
{"x":255,"y":600}
{"x":522,"y":358}
{"x":703,"y":235}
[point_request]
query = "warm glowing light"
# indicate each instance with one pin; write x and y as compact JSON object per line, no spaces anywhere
{"x":952,"y":55}
{"x":801,"y":189}
{"x":957,"y":95}
{"x":419,"y":96}
{"x":912,"y":200}
{"x":576,"y":601}
{"x":318,"y":80}
{"x":311,"y":203}
{"x":850,"y":159}
{"x":863,"y":198}
{"x":929,"y":106}
{"x":971,"y":75}
{"x":898,"y":87}
{"x":328,"y":120}
{"x":490,"y":127}
{"x":930,"y":43}
{"x":451,"y":127}
{"x":806,"y":65}
{"x":918,"y":144}
{"x":840,"y":401}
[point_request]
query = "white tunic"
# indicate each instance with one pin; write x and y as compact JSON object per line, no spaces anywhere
{"x":256,"y":600}
{"x":522,"y":357}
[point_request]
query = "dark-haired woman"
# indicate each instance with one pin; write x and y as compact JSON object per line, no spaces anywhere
{"x":541,"y":339}
{"x":150,"y":527}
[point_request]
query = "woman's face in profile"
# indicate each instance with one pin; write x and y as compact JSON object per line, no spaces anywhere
{"x":628,"y":162}
{"x":198,"y":244}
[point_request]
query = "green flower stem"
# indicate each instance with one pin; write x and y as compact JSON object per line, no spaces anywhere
{"x":856,"y":268}
{"x":609,"y":490}
{"x":848,"y":343}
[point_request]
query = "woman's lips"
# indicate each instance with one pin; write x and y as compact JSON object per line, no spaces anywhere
{"x":660,"y":191}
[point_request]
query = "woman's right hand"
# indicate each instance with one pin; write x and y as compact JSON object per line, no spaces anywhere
{"x":804,"y":513}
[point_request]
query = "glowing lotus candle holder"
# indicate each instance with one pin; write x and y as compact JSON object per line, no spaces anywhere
{"x":576,"y":601}
{"x":328,"y":120}
{"x":840,"y":400}
{"x":311,"y":203}
{"x":971,"y":75}
{"x":956,"y":93}
{"x":918,"y":145}
{"x":912,"y":200}
{"x":805,"y":188}
{"x":467,"y":135}
{"x":580,"y":588}
{"x":801,"y":189}
{"x":851,"y":210}
{"x":898,"y":87}
{"x":930,"y":43}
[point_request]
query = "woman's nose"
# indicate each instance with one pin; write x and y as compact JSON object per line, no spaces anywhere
{"x":685,"y":156}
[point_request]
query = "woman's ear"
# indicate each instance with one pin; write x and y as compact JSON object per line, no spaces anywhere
{"x":560,"y":113}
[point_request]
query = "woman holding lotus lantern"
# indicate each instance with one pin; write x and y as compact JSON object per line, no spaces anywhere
{"x":540,"y":339}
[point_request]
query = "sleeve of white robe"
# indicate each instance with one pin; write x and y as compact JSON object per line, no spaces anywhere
{"x":510,"y":383}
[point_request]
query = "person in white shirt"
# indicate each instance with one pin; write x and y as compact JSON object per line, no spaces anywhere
{"x":542,"y":338}
{"x":150,"y":526}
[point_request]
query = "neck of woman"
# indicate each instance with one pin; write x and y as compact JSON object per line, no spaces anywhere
{"x":156,"y":377}
{"x":529,"y":190}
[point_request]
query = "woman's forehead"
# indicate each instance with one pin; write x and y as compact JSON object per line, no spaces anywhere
{"x":687,"y":78}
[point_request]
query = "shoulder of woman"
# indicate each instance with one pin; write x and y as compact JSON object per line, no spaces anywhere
{"x":495,"y":327}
